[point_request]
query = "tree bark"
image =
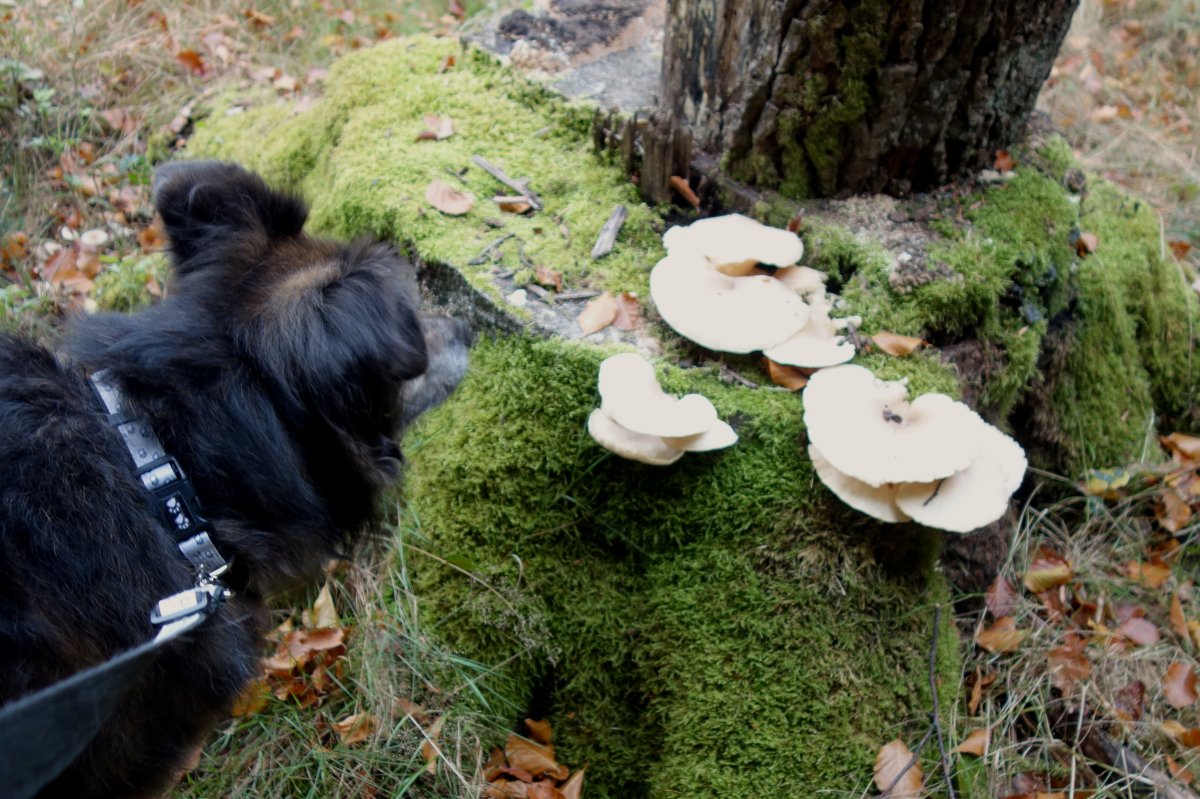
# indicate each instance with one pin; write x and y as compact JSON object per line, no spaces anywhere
{"x":832,"y":97}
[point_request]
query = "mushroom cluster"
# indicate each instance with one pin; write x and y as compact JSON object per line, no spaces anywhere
{"x":932,"y":460}
{"x":731,"y":284}
{"x":638,"y":420}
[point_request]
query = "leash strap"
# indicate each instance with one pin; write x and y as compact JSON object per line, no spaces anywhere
{"x":42,"y":733}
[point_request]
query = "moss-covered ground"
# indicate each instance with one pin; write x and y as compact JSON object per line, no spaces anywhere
{"x":721,"y":626}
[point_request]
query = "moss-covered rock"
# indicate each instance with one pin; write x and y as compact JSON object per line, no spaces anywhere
{"x":721,"y":626}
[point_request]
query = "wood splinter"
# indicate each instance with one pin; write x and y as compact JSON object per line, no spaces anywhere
{"x":521,"y":186}
{"x":608,"y":233}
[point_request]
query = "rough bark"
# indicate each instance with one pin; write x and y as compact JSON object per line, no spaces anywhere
{"x":827,"y":97}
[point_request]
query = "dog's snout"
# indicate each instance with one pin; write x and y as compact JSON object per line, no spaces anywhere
{"x":447,"y":341}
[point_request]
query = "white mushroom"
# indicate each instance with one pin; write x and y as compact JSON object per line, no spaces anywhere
{"x":628,"y":444}
{"x":719,"y":436}
{"x":631,"y":396}
{"x":734,"y":239}
{"x":973,"y":497}
{"x":804,"y":280}
{"x":818,"y":344}
{"x":877,"y":501}
{"x":730,"y":314}
{"x":868,"y":430}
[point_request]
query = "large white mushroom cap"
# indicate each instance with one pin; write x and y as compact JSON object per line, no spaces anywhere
{"x":719,"y":436}
{"x":877,"y":501}
{"x":730,"y":314}
{"x":631,"y":396}
{"x":734,"y":239}
{"x":818,"y":344}
{"x":868,"y":430}
{"x":974,"y":497}
{"x":628,"y":444}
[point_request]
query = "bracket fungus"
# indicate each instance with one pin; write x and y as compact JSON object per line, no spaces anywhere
{"x":933,"y":460}
{"x":817,"y":344}
{"x":734,"y":239}
{"x":638,"y":420}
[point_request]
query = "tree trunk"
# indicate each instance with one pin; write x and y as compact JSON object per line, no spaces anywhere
{"x":829,"y":97}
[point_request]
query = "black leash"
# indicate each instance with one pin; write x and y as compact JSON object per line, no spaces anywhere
{"x":43,"y":732}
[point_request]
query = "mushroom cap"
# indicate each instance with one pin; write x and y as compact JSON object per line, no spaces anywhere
{"x":719,"y":436}
{"x":866,"y":429}
{"x":732,"y":239}
{"x":95,"y":238}
{"x":817,"y":345}
{"x":803,"y":280}
{"x":729,"y":314}
{"x":628,"y":444}
{"x":877,"y":501}
{"x":974,"y":497}
{"x":631,"y":396}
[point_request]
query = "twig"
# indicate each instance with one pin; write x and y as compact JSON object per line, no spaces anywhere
{"x":937,"y":715}
{"x":516,"y":185}
{"x":910,"y":764}
{"x":732,"y":375}
{"x":580,"y":294}
{"x":608,"y":233}
{"x":488,"y":250}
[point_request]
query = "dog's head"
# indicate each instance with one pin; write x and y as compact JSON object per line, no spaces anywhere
{"x":333,"y":329}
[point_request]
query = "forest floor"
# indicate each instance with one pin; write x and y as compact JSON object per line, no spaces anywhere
{"x":1084,"y":680}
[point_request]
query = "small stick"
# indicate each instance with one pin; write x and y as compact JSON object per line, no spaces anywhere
{"x":732,"y":375}
{"x":608,"y":233}
{"x":488,"y":250}
{"x":521,"y":186}
{"x":581,"y":294}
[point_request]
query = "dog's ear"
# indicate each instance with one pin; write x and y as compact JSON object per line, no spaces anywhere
{"x":209,"y":208}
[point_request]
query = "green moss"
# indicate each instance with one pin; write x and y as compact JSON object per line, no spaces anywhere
{"x":124,"y":286}
{"x":1056,"y":157}
{"x":355,"y":155}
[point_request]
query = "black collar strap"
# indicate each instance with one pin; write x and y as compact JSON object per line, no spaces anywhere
{"x":164,"y":478}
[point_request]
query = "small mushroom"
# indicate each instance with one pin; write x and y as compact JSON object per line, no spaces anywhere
{"x":868,"y":430}
{"x":628,"y":444}
{"x":734,"y":239}
{"x":729,"y":314}
{"x":876,"y":501}
{"x":818,"y":344}
{"x":631,"y":396}
{"x":719,"y":436}
{"x":804,"y":280}
{"x":974,"y":497}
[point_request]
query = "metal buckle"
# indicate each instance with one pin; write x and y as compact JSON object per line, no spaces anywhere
{"x":203,"y":599}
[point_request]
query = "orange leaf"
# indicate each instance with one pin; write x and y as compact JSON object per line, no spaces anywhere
{"x":1047,"y":571}
{"x":1001,"y":597}
{"x":1151,"y":574}
{"x":1003,"y":636}
{"x":537,"y":759}
{"x":259,"y":18}
{"x":429,"y":749}
{"x":151,"y":239}
{"x":1004,"y":162}
{"x":1069,"y":663}
{"x":1178,"y":620}
{"x":976,"y":743}
{"x":548,"y":277}
{"x":896,"y":344}
{"x":514,"y":204}
{"x":685,"y":191}
{"x":1179,"y":685}
{"x":446,"y":64}
{"x":539,"y":730}
{"x":573,"y":788}
{"x":447,"y":199}
{"x":1172,"y":510}
{"x":1187,"y":447}
{"x":1179,"y":249}
{"x":892,"y":771}
{"x":629,"y":311}
{"x":1179,"y":772}
{"x":251,"y":700}
{"x":356,"y":728}
{"x":543,"y":790}
{"x":192,"y":60}
{"x":598,"y":314}
{"x":1086,"y":244}
{"x":790,"y":377}
{"x":1140,"y":631}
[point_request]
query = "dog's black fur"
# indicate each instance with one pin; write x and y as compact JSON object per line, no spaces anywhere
{"x":275,"y":372}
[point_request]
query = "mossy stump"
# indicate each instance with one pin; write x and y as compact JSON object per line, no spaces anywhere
{"x":723,"y":626}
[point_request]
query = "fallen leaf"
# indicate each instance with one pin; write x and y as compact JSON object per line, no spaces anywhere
{"x":192,"y":60}
{"x":513,"y":204}
{"x":1069,"y":663}
{"x":1172,"y":510}
{"x":685,"y":191}
{"x":436,"y":128}
{"x":356,"y":728}
{"x":1086,"y":244}
{"x":1003,"y":636}
{"x":896,"y":344}
{"x":120,"y":121}
{"x":456,"y":9}
{"x":598,"y":314}
{"x":1179,"y":772}
{"x":892,"y":771}
{"x":1178,"y":620}
{"x":978,"y":681}
{"x":1004,"y":162}
{"x":502,"y":771}
{"x":1140,"y":631}
{"x":1179,"y":249}
{"x":1179,"y":685}
{"x":1048,"y":570}
{"x":548,"y":277}
{"x":537,"y":759}
{"x":285,"y":84}
{"x":1152,"y":574}
{"x":629,"y":311}
{"x":1194,"y":629}
{"x":251,"y":700}
{"x":544,"y":790}
{"x":259,"y":18}
{"x":790,"y":377}
{"x":429,"y":749}
{"x":411,"y":708}
{"x":1130,"y":700}
{"x":446,"y":64}
{"x":14,"y":248}
{"x":447,"y":199}
{"x":324,"y":614}
{"x":151,"y":238}
{"x":1001,"y":597}
{"x":976,"y":743}
{"x":573,"y":788}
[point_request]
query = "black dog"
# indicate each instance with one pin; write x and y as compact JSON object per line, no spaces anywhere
{"x":278,"y":373}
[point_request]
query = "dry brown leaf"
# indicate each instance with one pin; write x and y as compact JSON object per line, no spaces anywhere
{"x":1003,"y":636}
{"x":151,"y":239}
{"x":252,"y":699}
{"x":447,"y":199}
{"x":978,"y":681}
{"x":890,"y":771}
{"x":598,"y":314}
{"x":1172,"y":510}
{"x":539,"y":730}
{"x":1185,"y":446}
{"x":629,"y":311}
{"x":436,"y":128}
{"x":14,"y":248}
{"x":1179,"y":685}
{"x":896,"y":344}
{"x":685,"y":191}
{"x":1178,"y":620}
{"x":259,"y":18}
{"x":1001,"y":597}
{"x":1069,"y":663}
{"x":192,"y":60}
{"x":1182,"y":734}
{"x":573,"y":788}
{"x":1086,"y":244}
{"x":1048,"y":570}
{"x":446,"y":63}
{"x":512,"y":204}
{"x":537,"y":759}
{"x":411,"y":708}
{"x":1179,"y":772}
{"x":356,"y":728}
{"x":1194,"y":629}
{"x":323,"y":613}
{"x":790,"y":377}
{"x":429,"y":749}
{"x":503,"y":772}
{"x":1003,"y":162}
{"x":547,"y":277}
{"x":1130,"y":701}
{"x":1140,"y":631}
{"x":544,"y":790}
{"x":976,"y":743}
{"x":1152,"y":573}
{"x":286,"y":84}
